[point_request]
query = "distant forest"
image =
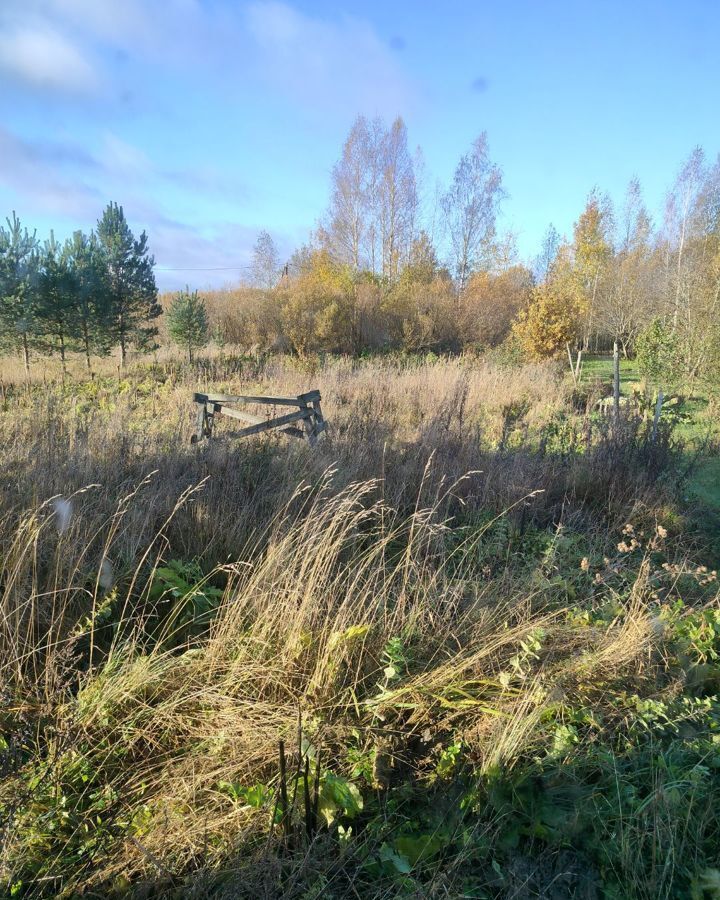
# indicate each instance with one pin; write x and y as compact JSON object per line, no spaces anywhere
{"x":391,"y":268}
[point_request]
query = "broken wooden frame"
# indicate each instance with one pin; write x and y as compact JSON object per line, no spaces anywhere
{"x":305,"y":422}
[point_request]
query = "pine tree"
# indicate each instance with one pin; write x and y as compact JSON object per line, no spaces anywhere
{"x":187,"y":321}
{"x":92,"y":312}
{"x":132,"y":292}
{"x":56,"y":310}
{"x":18,"y":288}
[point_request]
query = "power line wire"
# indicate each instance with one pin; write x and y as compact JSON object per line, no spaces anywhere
{"x":200,"y":268}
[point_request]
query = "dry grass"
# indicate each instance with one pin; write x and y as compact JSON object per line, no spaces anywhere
{"x":383,"y":597}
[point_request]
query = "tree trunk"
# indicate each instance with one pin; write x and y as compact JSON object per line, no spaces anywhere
{"x":86,"y":344}
{"x":26,"y":353}
{"x":123,"y":351}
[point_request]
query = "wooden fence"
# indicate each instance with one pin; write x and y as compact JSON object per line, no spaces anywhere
{"x":306,"y":421}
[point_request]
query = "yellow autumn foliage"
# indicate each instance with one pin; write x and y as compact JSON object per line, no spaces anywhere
{"x":554,"y":316}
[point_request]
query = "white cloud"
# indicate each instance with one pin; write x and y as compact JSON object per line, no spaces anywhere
{"x":324,"y":63}
{"x":32,"y":173}
{"x":156,"y":29}
{"x":105,"y":19}
{"x":66,"y":182}
{"x":123,"y":159}
{"x":42,"y":57}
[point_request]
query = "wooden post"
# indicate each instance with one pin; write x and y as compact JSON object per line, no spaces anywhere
{"x":319,"y":421}
{"x":309,"y":427}
{"x":570,"y":360}
{"x":616,"y":381}
{"x":656,"y":417}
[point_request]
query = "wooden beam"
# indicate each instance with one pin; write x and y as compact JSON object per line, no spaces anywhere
{"x":239,"y":414}
{"x":268,"y":424}
{"x":300,"y":401}
{"x":308,"y":412}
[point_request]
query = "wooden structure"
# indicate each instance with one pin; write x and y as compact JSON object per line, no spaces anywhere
{"x":306,"y":421}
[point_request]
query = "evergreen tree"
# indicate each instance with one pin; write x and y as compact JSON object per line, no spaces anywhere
{"x":131,"y":288}
{"x":18,"y":283}
{"x":56,"y":295}
{"x":187,"y":321}
{"x":92,"y":312}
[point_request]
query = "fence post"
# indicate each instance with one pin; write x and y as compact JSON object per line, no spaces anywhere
{"x":616,"y":381}
{"x":656,"y":417}
{"x":570,"y":360}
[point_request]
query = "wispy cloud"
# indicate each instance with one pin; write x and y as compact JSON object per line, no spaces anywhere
{"x":44,"y":58}
{"x":118,"y":165}
{"x":36,"y":173}
{"x":325,"y":63}
{"x":218,"y":254}
{"x":63,"y":179}
{"x":124,"y":159}
{"x":156,"y":98}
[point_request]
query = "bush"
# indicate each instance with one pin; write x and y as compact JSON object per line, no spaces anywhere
{"x":658,"y":355}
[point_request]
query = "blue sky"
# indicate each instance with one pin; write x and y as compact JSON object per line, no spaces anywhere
{"x":211,"y":119}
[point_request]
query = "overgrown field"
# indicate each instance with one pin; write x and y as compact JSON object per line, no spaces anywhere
{"x":467,"y":647}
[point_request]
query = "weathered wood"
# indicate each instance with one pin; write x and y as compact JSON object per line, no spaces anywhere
{"x":319,"y":420}
{"x":243,"y":416}
{"x":301,"y":400}
{"x":616,"y":381}
{"x":308,"y":414}
{"x":656,"y":417}
{"x":570,"y":360}
{"x":268,"y":424}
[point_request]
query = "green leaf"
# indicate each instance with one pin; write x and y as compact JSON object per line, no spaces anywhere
{"x":339,"y":796}
{"x":398,"y":862}
{"x":420,"y":848}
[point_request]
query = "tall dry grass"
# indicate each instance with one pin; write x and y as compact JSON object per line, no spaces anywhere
{"x":403,"y":588}
{"x":387,"y":419}
{"x":300,"y":636}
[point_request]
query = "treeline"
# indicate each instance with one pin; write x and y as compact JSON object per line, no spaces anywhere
{"x":395,"y":266}
{"x":324,"y":306}
{"x":88,"y":295}
{"x":387,"y":269}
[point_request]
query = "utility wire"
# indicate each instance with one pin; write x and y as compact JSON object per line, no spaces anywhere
{"x":200,"y":268}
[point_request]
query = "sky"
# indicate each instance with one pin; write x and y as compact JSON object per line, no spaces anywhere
{"x":209,"y":120}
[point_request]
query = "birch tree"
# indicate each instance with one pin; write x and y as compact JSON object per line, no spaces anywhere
{"x":592,"y":249}
{"x":265,"y":264}
{"x":680,"y":211}
{"x":470,"y":207}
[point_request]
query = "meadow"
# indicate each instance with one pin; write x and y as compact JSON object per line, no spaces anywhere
{"x":465,"y":647}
